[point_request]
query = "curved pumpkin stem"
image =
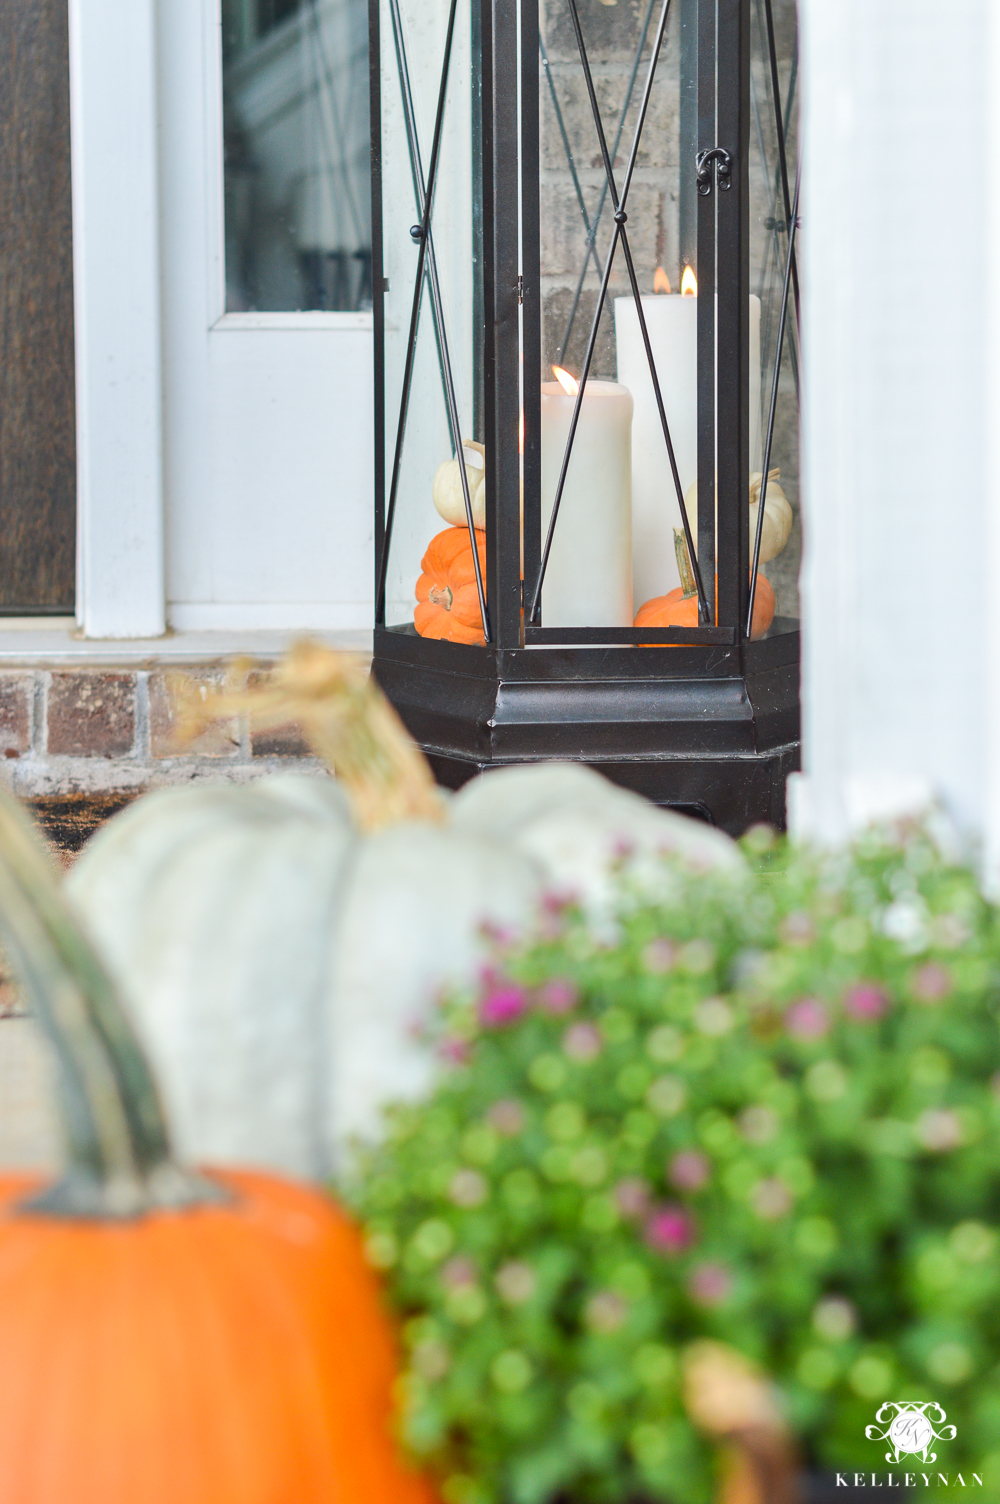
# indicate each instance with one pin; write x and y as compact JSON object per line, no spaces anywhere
{"x":116,"y":1135}
{"x":346,"y":719}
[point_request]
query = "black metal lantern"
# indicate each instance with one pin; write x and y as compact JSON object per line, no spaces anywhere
{"x":548,"y":412}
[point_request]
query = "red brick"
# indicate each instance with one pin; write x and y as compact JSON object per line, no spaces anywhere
{"x":279,"y":741}
{"x":221,"y":739}
{"x":15,"y":714}
{"x":283,"y":741}
{"x":91,"y":714}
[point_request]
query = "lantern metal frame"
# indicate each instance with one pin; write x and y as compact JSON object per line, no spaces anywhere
{"x":701,"y":719}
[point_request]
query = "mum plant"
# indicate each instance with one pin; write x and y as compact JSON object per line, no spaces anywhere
{"x":765,"y":1112}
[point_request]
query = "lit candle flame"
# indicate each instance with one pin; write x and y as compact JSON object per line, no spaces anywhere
{"x":568,"y":383}
{"x":689,"y":284}
{"x":661,"y":282}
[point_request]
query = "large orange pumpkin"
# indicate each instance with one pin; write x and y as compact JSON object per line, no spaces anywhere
{"x":447,"y":597}
{"x":675,"y":609}
{"x":166,"y":1335}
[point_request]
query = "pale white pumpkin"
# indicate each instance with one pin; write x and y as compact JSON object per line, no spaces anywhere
{"x":583,"y":830}
{"x":449,"y":498}
{"x":282,"y":945}
{"x":778,"y":516}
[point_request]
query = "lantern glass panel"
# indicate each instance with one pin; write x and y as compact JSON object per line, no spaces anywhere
{"x":773,"y":123}
{"x":433,"y":358}
{"x":594,"y":61}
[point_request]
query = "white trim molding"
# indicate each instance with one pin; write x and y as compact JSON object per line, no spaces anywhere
{"x":120,"y":528}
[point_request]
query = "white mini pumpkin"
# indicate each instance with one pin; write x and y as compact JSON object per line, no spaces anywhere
{"x":778,"y":515}
{"x":449,"y":498}
{"x":280,"y":961}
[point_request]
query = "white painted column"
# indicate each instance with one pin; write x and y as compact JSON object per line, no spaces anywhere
{"x":120,"y":564}
{"x":991,"y":626}
{"x":901,"y":427}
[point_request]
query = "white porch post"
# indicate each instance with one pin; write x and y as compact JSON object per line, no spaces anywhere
{"x":901,"y":425}
{"x":120,"y":565}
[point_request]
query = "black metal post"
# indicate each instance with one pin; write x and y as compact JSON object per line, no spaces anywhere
{"x":378,"y":292}
{"x":706,"y":312}
{"x":502,"y":355}
{"x":733,"y":292}
{"x":531,"y":293}
{"x":687,"y":205}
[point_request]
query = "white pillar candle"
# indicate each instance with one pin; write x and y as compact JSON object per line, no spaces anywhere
{"x":588,"y":582}
{"x":671,"y":321}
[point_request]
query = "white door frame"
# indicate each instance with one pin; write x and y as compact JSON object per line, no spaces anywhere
{"x":225,"y":461}
{"x":120,"y":516}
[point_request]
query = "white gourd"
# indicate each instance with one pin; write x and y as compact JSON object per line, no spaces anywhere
{"x":449,"y":498}
{"x":580,"y":828}
{"x":778,"y":515}
{"x":280,"y":962}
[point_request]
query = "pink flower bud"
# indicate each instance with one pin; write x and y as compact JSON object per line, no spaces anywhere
{"x":670,"y":1230}
{"x":866,"y":1001}
{"x":807,"y":1019}
{"x":502,"y":1006}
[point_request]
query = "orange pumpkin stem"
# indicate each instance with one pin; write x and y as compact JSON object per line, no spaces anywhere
{"x":116,"y":1135}
{"x":447,"y":594}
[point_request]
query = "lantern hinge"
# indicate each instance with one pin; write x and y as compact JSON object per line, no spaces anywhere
{"x":520,"y":289}
{"x":723,"y":171}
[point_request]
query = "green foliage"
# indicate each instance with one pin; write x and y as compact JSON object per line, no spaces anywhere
{"x":767,"y":1113}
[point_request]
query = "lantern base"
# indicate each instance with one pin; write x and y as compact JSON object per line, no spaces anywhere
{"x":711,"y":732}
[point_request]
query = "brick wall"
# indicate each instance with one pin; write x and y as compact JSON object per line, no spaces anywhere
{"x":79,"y":742}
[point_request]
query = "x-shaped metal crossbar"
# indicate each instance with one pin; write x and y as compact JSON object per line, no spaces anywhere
{"x":426,"y":269}
{"x":619,"y":237}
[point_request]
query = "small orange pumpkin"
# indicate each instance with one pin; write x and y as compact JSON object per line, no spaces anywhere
{"x":167,"y":1335}
{"x":679,"y":610}
{"x":447,"y":598}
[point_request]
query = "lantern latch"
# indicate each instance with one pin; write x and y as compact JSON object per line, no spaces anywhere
{"x":723,"y":171}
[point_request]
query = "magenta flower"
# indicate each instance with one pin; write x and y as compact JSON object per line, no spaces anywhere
{"x":939,"y":1129}
{"x":455,"y":1051}
{"x":797,"y":929}
{"x":582,"y":1042}
{"x":709,"y":1284}
{"x":506,"y":1116}
{"x":553,"y":915}
{"x":771,"y":1199}
{"x":558,"y":996}
{"x":632,"y":1197}
{"x":670,"y":1230}
{"x":501,"y":936}
{"x":807,"y":1019}
{"x":866,"y":1001}
{"x":660,"y":956}
{"x":605,"y":1312}
{"x":931,"y":982}
{"x":502,"y":1006}
{"x":689,"y":1170}
{"x":457,"y":1272}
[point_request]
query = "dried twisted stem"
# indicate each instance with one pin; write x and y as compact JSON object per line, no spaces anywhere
{"x":344,"y":716}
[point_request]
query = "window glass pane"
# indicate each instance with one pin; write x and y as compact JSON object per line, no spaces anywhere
{"x":297,"y":197}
